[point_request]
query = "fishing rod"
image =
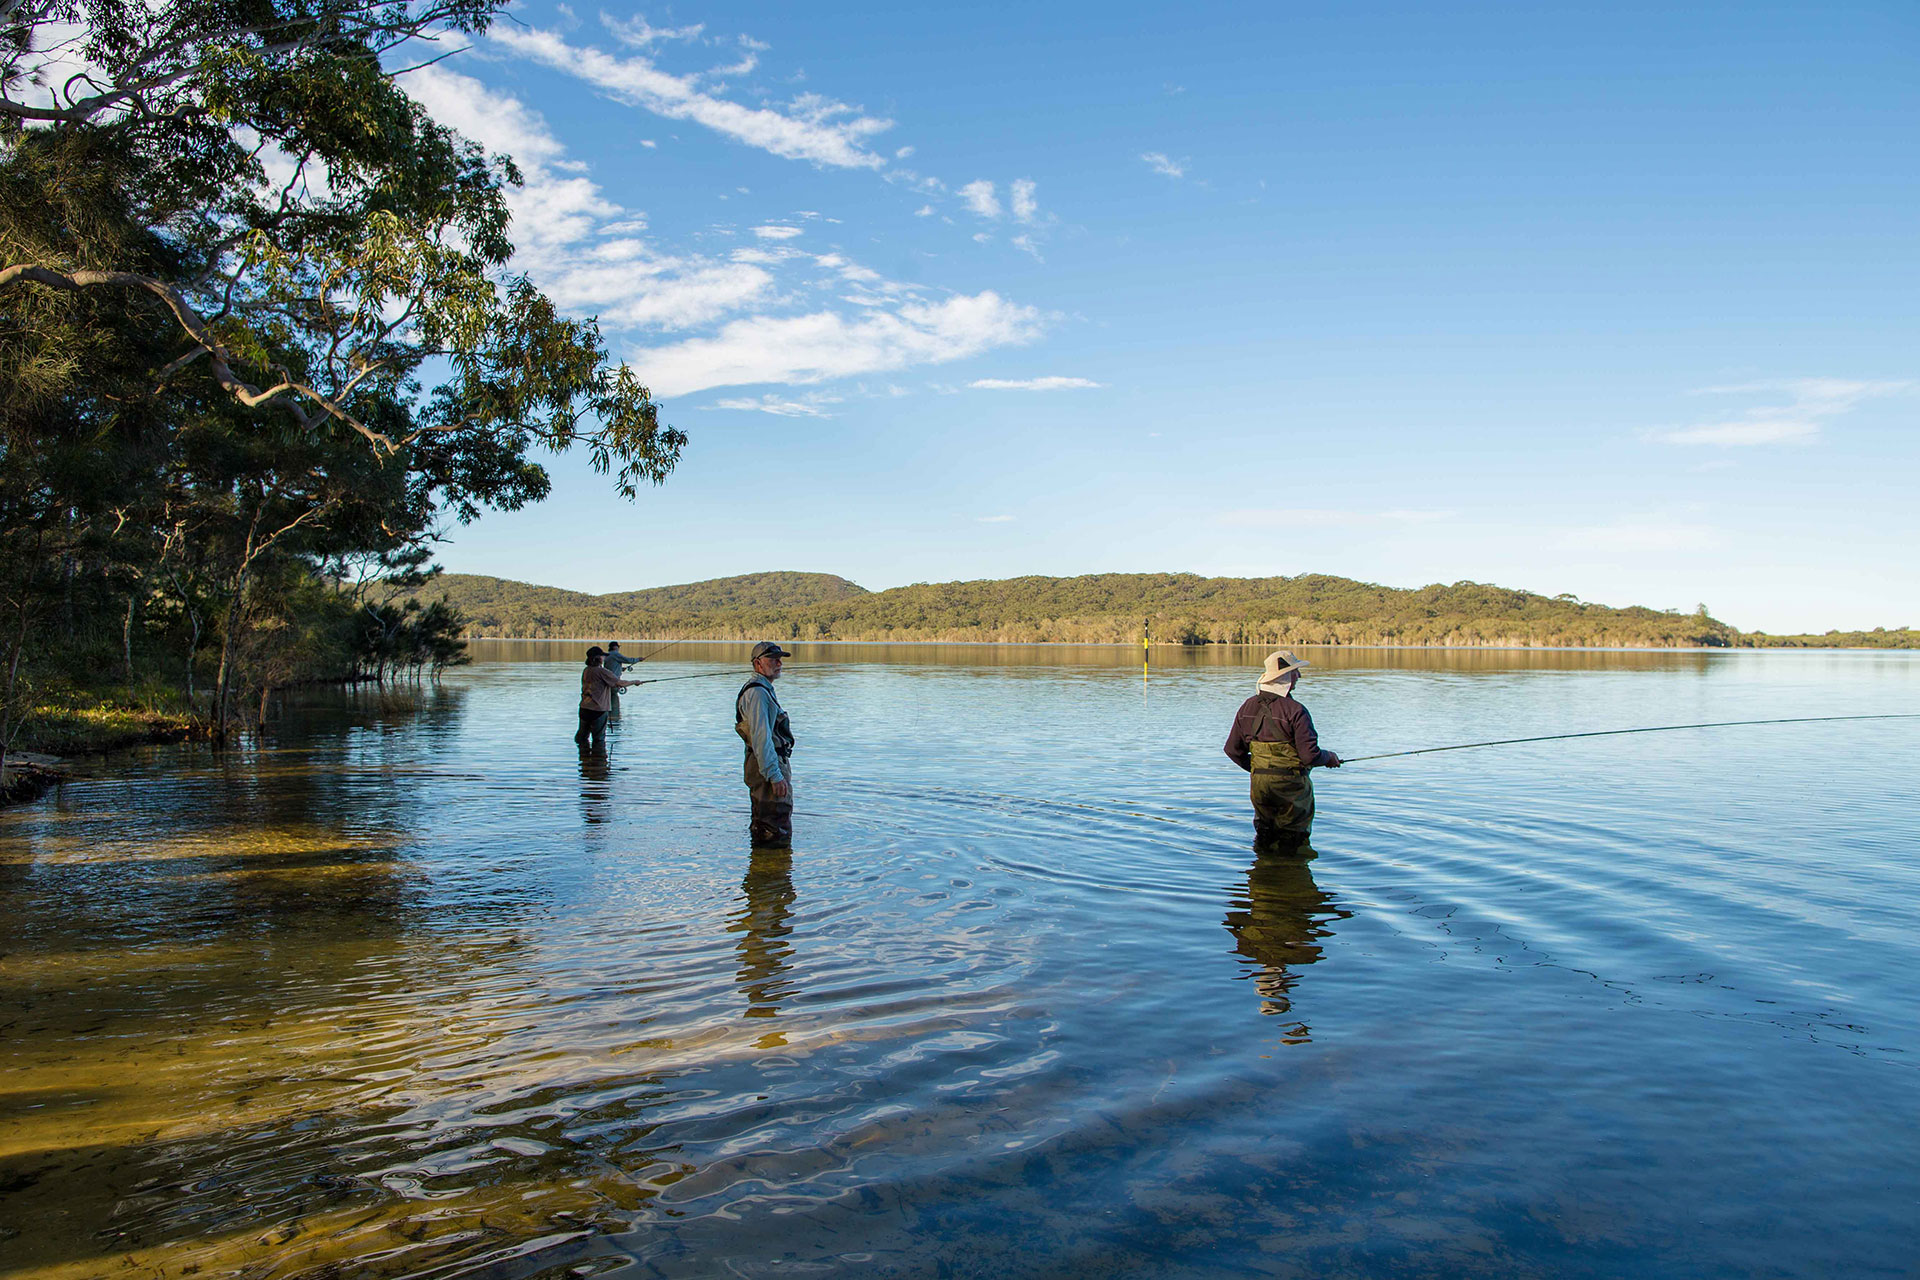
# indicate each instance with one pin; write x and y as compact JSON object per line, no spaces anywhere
{"x":662,"y":649}
{"x":704,"y":675}
{"x":1607,"y":733}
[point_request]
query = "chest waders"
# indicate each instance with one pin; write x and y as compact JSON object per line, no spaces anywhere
{"x":1281,"y":791}
{"x":772,"y":823}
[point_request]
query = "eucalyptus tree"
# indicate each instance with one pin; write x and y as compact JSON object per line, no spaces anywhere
{"x":228,"y":234}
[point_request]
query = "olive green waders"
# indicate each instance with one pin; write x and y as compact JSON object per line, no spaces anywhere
{"x":1282,"y":793}
{"x":772,"y":823}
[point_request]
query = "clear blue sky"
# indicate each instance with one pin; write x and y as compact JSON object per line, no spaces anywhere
{"x":1610,"y":299}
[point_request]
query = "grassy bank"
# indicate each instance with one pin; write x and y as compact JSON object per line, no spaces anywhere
{"x":78,"y":724}
{"x":90,"y":730}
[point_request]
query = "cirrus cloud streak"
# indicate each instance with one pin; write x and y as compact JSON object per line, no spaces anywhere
{"x":1055,"y":383}
{"x":826,"y":344}
{"x":828,"y":133}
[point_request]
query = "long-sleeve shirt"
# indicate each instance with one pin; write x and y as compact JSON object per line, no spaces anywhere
{"x":759,"y":710}
{"x":596,"y":689}
{"x":1267,"y":718}
{"x":618,"y":663}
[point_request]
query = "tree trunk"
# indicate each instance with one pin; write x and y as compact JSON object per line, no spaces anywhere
{"x":193,"y":650}
{"x":126,"y":637}
{"x":223,"y":682}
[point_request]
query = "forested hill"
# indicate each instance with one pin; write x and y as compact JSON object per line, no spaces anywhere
{"x":503,"y":607}
{"x":1098,"y":608}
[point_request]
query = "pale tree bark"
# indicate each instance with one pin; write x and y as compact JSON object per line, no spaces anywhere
{"x":254,"y":547}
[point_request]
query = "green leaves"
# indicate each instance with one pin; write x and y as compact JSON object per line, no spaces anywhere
{"x":255,"y":312}
{"x":320,"y":243}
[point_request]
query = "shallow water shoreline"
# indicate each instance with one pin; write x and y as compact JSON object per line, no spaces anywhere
{"x":413,"y":988}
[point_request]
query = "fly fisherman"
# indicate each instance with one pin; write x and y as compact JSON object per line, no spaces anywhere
{"x":1273,"y":739}
{"x":597,"y":687}
{"x":618,"y":662}
{"x":763,"y":726}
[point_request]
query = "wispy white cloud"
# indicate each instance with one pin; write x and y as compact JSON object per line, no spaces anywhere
{"x":811,"y":127}
{"x":627,"y":283}
{"x":636,"y":31}
{"x":762,"y":312}
{"x":1054,"y":383}
{"x":1160,"y":162}
{"x":765,"y":255}
{"x":980,"y":198}
{"x":993,"y":519}
{"x":1810,"y":403}
{"x":924,"y":211}
{"x":825,"y":344}
{"x":1025,"y":207}
{"x":1768,"y":429}
{"x":497,"y":121}
{"x":983,"y":199}
{"x":580,"y":246}
{"x":779,"y":406}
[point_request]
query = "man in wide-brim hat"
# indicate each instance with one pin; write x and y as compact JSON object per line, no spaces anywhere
{"x":1273,"y":739}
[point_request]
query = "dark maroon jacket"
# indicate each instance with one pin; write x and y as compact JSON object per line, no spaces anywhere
{"x":1286,"y":721}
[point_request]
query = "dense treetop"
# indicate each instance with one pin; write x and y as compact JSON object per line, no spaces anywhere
{"x":260,"y":335}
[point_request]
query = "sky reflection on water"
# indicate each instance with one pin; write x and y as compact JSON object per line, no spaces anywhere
{"x":414,"y":990}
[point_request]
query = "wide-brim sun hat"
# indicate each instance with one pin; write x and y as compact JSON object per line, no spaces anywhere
{"x":1281,"y":662}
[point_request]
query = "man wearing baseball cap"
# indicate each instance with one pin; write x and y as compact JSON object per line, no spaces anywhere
{"x":1273,"y":739}
{"x":763,"y":726}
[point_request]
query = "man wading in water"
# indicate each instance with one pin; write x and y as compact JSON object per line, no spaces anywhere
{"x":597,"y":687}
{"x":618,"y":662}
{"x":763,"y":726}
{"x":1273,"y":739}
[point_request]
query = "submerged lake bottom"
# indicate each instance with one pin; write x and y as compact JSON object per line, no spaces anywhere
{"x":412,"y":988}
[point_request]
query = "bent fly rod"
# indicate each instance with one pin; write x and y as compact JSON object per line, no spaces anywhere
{"x":662,"y":649}
{"x":1608,"y":733}
{"x":704,"y":675}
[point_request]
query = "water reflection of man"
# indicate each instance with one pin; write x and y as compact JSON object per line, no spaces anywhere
{"x":1278,"y":924}
{"x":596,"y":797}
{"x":762,"y":925}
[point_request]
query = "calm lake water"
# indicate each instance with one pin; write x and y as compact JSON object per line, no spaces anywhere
{"x":415,"y":991}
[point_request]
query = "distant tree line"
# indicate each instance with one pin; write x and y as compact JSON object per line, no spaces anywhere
{"x":258,"y":342}
{"x":1095,"y":609}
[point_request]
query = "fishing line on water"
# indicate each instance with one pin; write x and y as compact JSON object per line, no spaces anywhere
{"x":1606,"y":733}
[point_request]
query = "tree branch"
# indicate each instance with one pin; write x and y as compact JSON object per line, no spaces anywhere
{"x":220,"y":359}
